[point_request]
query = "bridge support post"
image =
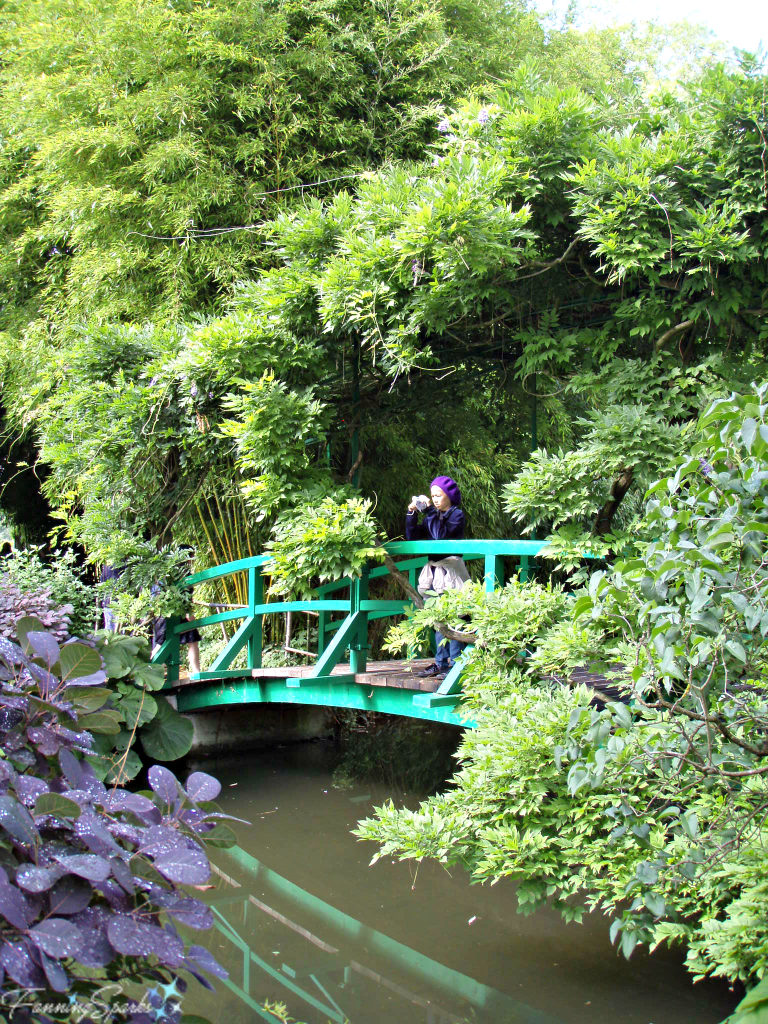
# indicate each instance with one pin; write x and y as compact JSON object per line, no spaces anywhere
{"x":358,"y":647}
{"x":494,"y":573}
{"x":255,"y":597}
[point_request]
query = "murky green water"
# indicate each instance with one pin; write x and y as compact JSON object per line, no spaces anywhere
{"x":311,"y":925}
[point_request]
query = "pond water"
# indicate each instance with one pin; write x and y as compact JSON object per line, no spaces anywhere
{"x":306,"y":922}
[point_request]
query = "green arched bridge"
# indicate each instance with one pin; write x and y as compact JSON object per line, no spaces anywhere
{"x":344,"y":610}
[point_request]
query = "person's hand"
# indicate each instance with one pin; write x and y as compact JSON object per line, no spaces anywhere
{"x":412,"y":507}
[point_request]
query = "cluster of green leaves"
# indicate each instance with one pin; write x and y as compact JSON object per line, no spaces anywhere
{"x":502,"y":622}
{"x":486,"y":276}
{"x":122,"y":133}
{"x":652,"y":808}
{"x":127,"y":712}
{"x":324,"y":541}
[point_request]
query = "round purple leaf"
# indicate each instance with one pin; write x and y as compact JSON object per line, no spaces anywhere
{"x":16,"y":960}
{"x":164,"y":783}
{"x":160,"y":840}
{"x":95,"y":950}
{"x":95,"y":835}
{"x":193,"y":913}
{"x":71,"y":768}
{"x":124,"y":831}
{"x":46,"y":740}
{"x":70,"y":895}
{"x":57,"y":937}
{"x":205,"y":959}
{"x":14,"y":907}
{"x":44,"y":647}
{"x":188,"y":867}
{"x":202,"y":787}
{"x":86,"y":865}
{"x":57,"y":977}
{"x":122,"y":873}
{"x":17,"y":821}
{"x":34,"y":879}
{"x":132,"y":937}
{"x":28,"y":788}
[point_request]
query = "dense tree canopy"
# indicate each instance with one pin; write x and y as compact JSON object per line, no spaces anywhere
{"x":609,"y":261}
{"x":122,"y":128}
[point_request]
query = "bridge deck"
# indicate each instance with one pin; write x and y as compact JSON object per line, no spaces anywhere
{"x":400,"y":674}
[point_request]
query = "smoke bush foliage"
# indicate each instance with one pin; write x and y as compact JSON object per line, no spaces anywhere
{"x":30,"y":572}
{"x":92,"y":880}
{"x":652,"y":810}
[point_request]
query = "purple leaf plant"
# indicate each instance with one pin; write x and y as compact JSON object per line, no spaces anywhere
{"x":91,"y":878}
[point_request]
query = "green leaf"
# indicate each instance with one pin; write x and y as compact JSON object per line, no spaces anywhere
{"x":736,"y":650}
{"x":139,"y":707}
{"x":106,"y":722}
{"x":222,"y":836}
{"x":150,"y":676}
{"x":127,"y":768}
{"x":28,"y":624}
{"x":77,"y":660}
{"x":57,"y":805}
{"x":168,"y":736}
{"x":748,"y":431}
{"x":87,"y":699}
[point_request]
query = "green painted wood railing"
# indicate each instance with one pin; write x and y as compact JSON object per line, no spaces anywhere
{"x":348,"y":600}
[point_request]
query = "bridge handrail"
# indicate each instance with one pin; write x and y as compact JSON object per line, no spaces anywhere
{"x":334,"y":636}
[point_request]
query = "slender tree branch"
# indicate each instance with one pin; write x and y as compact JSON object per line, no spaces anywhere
{"x":548,"y":266}
{"x":671,"y":333}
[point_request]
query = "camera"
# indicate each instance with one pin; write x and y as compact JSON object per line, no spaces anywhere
{"x":421,"y":501}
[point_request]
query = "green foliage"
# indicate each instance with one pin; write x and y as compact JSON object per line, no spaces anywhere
{"x":58,"y":576}
{"x":327,"y":539}
{"x":502,"y":622}
{"x":407,"y":327}
{"x":652,"y":809}
{"x":571,"y":487}
{"x":124,"y":711}
{"x":273,"y":428}
{"x":133,"y":144}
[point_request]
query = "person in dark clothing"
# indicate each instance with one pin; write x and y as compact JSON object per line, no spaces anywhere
{"x":109,"y":572}
{"x":444,"y":520}
{"x":190,"y":638}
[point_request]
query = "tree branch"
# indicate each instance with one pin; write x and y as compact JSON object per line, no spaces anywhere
{"x":548,"y":266}
{"x":619,"y":488}
{"x":671,"y":333}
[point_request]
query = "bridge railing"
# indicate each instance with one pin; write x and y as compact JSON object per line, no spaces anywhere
{"x":346,"y":598}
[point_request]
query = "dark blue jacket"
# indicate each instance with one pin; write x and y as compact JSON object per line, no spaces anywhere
{"x":435,"y":526}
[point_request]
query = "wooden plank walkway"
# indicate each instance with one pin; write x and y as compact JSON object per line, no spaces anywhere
{"x":401,"y":674}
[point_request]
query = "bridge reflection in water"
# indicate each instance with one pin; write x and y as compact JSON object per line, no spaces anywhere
{"x":323,"y":981}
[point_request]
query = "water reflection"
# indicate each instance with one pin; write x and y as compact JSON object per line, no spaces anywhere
{"x":312,"y":925}
{"x":325,"y":978}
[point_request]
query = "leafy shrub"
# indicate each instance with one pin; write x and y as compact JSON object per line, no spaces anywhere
{"x":124,"y":711}
{"x":655,"y":810}
{"x":14,"y":604}
{"x":91,"y":880}
{"x":59,"y":578}
{"x":320,"y":542}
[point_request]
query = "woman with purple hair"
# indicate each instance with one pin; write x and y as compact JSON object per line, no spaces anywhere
{"x":443,"y":520}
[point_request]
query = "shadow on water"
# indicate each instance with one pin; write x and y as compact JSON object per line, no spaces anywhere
{"x":302,"y":919}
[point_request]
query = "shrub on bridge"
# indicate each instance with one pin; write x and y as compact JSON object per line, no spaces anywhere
{"x":92,"y":880}
{"x":317,"y":543}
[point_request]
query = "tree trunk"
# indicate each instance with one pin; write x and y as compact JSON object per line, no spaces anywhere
{"x":619,"y":488}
